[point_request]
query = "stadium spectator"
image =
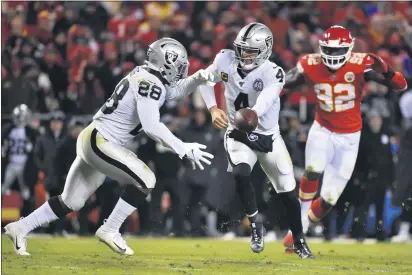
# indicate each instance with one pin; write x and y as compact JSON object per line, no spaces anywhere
{"x":18,"y":165}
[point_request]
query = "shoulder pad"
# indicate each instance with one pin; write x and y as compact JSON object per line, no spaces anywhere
{"x":224,"y":57}
{"x":274,"y":73}
{"x":310,"y":60}
{"x":360,"y":59}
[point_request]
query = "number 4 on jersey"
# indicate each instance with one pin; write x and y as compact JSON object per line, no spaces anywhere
{"x":242,"y":101}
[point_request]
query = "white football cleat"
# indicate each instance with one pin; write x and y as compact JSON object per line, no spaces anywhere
{"x":401,"y":238}
{"x":19,"y":239}
{"x":114,"y":240}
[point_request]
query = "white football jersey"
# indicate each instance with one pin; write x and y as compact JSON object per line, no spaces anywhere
{"x":118,"y":120}
{"x":17,"y":144}
{"x":265,"y":82}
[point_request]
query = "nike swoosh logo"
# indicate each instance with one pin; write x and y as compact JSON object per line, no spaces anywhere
{"x":17,"y":246}
{"x":121,"y":249}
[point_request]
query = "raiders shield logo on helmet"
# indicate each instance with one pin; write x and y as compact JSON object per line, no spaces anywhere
{"x":170,"y":57}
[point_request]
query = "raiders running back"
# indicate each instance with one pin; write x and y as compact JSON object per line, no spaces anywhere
{"x":134,"y":106}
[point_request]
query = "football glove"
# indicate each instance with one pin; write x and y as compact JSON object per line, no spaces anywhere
{"x":380,"y":63}
{"x":203,"y":75}
{"x":196,"y":155}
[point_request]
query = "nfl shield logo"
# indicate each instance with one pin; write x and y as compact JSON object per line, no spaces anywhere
{"x":170,"y":57}
{"x":258,"y":85}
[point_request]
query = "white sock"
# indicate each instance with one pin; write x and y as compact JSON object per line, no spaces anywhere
{"x":404,"y":228}
{"x":121,"y":211}
{"x":304,"y":208}
{"x":42,"y":215}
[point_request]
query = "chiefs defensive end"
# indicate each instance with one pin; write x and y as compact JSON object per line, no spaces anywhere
{"x":337,"y":75}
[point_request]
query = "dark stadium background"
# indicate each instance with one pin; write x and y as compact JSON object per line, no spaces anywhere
{"x":63,"y":60}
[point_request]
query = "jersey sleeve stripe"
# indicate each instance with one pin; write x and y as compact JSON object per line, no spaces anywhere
{"x":112,"y":161}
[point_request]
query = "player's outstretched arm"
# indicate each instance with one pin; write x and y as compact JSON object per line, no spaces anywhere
{"x":267,"y":98}
{"x":386,"y":76}
{"x":188,"y":85}
{"x":149,"y":115}
{"x":294,"y":78}
{"x":219,"y":118}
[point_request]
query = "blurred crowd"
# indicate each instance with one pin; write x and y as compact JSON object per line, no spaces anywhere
{"x":63,"y":60}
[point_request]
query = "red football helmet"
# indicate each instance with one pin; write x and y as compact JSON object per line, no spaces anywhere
{"x":336,"y":46}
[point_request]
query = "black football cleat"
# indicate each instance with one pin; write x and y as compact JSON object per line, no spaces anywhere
{"x":257,"y":243}
{"x":302,"y":249}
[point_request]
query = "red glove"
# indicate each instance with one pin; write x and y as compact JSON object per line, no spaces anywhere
{"x":379,"y":62}
{"x":399,"y":82}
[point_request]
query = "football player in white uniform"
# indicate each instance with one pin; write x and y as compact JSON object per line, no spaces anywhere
{"x":133,"y":107}
{"x":252,"y":81}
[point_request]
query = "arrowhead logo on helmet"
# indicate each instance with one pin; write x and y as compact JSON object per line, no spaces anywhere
{"x":170,"y":57}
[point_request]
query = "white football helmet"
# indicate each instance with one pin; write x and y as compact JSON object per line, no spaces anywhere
{"x":169,"y":57}
{"x":253,"y":45}
{"x":21,"y":115}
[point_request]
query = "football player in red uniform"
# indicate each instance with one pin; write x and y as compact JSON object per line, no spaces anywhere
{"x":337,"y":75}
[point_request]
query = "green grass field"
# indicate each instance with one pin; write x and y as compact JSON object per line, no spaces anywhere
{"x":85,"y":256}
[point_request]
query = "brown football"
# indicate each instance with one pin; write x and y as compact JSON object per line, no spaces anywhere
{"x":246,"y":120}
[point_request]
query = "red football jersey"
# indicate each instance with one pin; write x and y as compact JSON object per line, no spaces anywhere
{"x":339,"y":93}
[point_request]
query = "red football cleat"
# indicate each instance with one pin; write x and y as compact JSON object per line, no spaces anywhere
{"x":288,"y":241}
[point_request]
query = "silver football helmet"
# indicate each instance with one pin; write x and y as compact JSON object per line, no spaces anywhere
{"x":21,"y":115}
{"x":169,"y":57}
{"x":253,"y":45}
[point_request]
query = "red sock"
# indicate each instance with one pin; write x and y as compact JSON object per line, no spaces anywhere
{"x":307,"y":189}
{"x":318,"y":210}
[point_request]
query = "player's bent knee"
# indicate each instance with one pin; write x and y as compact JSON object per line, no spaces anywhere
{"x":242,"y":170}
{"x":330,"y":196}
{"x":75,"y":203}
{"x":311,"y":175}
{"x":149,"y":180}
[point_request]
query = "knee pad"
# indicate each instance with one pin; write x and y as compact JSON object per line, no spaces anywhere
{"x":75,"y":203}
{"x":311,"y":175}
{"x":242,"y":170}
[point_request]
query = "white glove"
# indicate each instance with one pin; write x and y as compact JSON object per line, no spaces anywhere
{"x":196,"y":156}
{"x":204,"y":75}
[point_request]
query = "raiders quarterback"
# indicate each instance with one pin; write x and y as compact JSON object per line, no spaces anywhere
{"x":133,"y":107}
{"x":252,"y":81}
